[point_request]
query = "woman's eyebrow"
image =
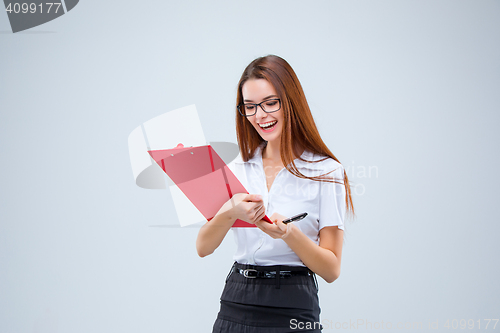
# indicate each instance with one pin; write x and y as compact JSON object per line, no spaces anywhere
{"x":270,"y":96}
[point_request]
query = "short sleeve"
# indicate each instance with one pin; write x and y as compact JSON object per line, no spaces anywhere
{"x":332,"y":204}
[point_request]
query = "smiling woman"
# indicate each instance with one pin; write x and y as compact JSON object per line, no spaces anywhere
{"x":288,"y":170}
{"x":266,"y":116}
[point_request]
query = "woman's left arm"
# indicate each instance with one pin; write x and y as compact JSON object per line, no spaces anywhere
{"x":323,"y":259}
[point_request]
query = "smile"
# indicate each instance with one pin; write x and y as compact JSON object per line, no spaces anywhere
{"x":269,"y":125}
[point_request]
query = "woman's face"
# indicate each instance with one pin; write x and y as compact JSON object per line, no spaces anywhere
{"x":268,"y":125}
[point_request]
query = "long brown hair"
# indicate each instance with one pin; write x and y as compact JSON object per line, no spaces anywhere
{"x":297,"y":120}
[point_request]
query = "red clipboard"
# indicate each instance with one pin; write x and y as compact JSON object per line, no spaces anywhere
{"x":203,"y":177}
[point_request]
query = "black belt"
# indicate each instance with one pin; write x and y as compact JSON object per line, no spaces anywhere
{"x":251,"y":273}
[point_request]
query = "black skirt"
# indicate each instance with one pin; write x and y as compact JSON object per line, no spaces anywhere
{"x":270,"y":305}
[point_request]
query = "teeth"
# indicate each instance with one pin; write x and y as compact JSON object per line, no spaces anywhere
{"x":269,"y":124}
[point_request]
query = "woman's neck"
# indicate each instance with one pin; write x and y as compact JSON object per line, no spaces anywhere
{"x":272,"y":151}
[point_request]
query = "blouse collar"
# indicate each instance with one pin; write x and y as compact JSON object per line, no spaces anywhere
{"x":306,"y":155}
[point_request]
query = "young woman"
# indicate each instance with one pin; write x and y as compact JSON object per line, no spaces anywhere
{"x":288,"y":170}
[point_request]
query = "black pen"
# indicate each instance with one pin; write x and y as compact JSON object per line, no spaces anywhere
{"x":295,"y":218}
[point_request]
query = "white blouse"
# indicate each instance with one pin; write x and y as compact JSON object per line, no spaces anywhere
{"x":324,"y":202}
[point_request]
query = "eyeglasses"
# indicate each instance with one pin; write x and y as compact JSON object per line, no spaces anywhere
{"x":268,"y":106}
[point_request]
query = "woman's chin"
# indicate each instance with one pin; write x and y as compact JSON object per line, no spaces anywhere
{"x":270,"y":136}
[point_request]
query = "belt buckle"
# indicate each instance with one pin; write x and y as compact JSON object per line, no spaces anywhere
{"x":247,"y":271}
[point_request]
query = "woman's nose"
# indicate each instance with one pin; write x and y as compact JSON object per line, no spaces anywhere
{"x":260,"y":113}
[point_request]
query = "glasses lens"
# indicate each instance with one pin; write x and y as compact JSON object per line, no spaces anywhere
{"x":249,"y":109}
{"x":271,"y":105}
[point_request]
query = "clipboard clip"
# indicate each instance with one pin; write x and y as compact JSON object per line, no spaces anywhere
{"x":180,"y":146}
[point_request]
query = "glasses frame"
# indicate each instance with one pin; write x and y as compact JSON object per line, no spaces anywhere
{"x":239,"y":107}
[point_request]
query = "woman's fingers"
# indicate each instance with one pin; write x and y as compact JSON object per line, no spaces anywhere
{"x":277,"y":216}
{"x":249,"y":207}
{"x":271,"y":229}
{"x":259,"y":214}
{"x":275,"y":230}
{"x":281,"y":225}
{"x":253,"y":198}
{"x":251,"y":212}
{"x":261,"y":224}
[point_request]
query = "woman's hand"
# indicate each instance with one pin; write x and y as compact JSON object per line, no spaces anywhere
{"x":247,"y":207}
{"x":275,"y":230}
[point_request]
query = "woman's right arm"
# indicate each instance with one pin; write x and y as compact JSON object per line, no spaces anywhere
{"x":246,"y":207}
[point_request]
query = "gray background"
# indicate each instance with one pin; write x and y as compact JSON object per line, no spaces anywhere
{"x":408,"y":88}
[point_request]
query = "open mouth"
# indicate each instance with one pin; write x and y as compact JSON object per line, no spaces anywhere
{"x":269,"y":126}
